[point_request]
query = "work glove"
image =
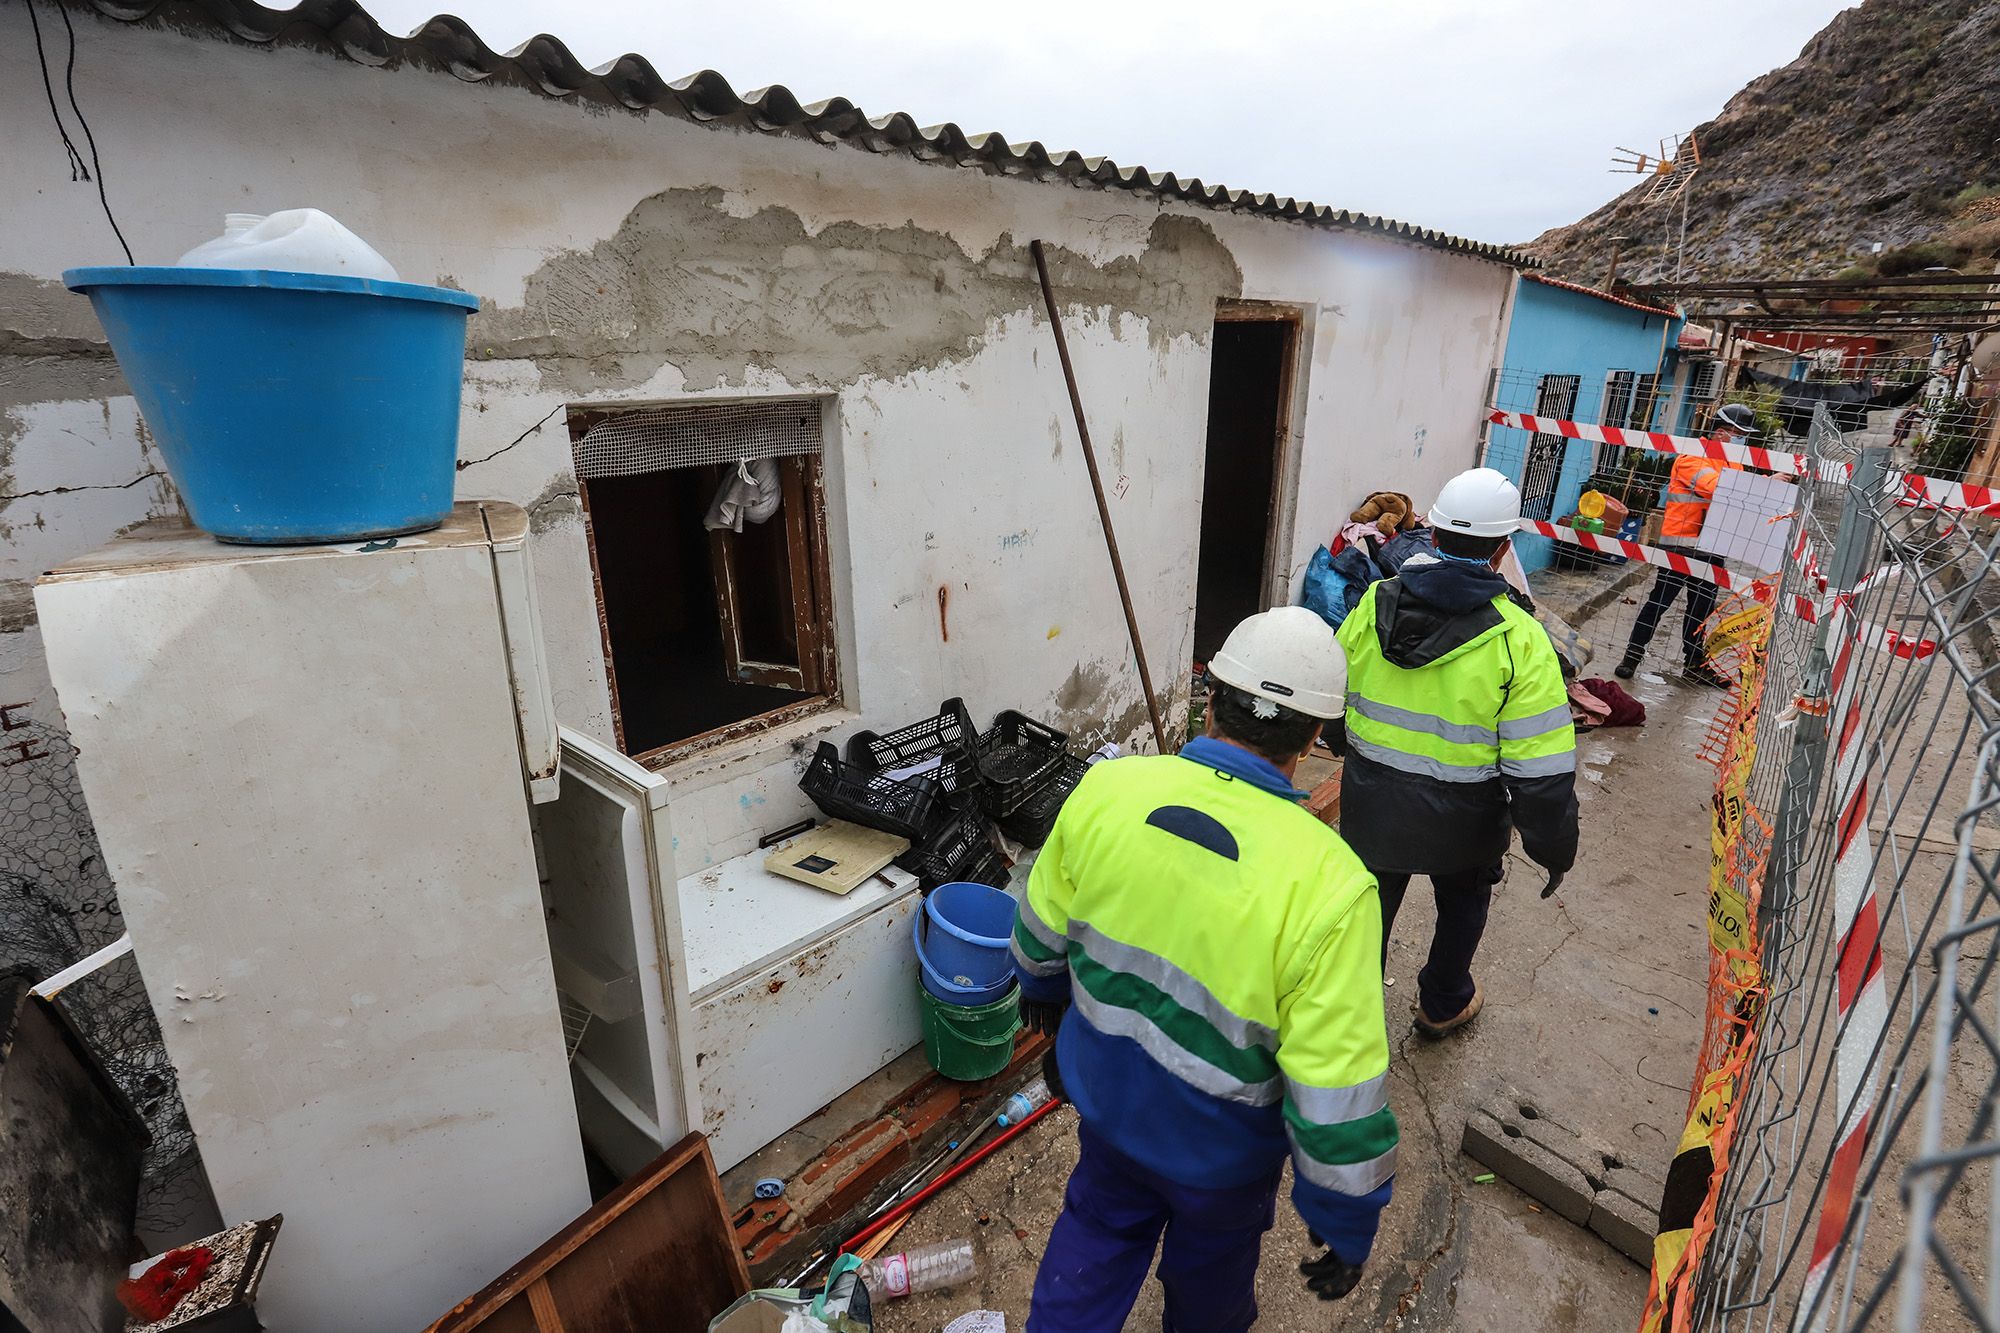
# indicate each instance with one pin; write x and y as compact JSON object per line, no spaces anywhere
{"x":1329,"y":1277}
{"x":1042,"y":1016}
{"x":1555,"y":882}
{"x":1052,"y":1074}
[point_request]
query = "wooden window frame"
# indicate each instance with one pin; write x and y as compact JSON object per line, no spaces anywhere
{"x":818,"y":633}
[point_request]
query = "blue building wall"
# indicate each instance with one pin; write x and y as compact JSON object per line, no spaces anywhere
{"x":1555,"y":331}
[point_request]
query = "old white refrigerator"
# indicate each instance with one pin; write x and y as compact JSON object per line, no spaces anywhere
{"x":315,"y":774}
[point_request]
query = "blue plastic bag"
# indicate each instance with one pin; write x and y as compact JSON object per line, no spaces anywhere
{"x":1325,"y":590}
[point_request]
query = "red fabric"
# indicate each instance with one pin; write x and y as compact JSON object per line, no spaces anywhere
{"x":153,"y":1294}
{"x":1625,"y":710}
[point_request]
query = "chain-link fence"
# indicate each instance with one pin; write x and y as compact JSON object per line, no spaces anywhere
{"x":1838,"y":1168}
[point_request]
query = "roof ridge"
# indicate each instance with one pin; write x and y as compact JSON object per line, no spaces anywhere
{"x":544,"y":64}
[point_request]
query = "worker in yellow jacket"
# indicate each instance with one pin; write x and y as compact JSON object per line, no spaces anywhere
{"x":1211,"y":952}
{"x":1690,"y":487}
{"x":1457,"y":735}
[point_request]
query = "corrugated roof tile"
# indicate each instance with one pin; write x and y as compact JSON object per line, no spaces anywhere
{"x":544,"y":64}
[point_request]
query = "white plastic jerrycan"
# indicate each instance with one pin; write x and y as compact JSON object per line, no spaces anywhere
{"x":298,"y":240}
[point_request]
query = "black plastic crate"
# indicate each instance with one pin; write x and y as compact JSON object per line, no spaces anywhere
{"x":954,"y":848}
{"x":1031,"y":823}
{"x":988,"y":869}
{"x":911,"y":808}
{"x":1015,"y":755}
{"x":948,"y":735}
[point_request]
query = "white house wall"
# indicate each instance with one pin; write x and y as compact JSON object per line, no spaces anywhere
{"x":629,"y":258}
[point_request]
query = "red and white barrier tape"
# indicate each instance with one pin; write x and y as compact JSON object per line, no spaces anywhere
{"x":1771,"y":460}
{"x":1805,"y":608}
{"x":1704,"y":570}
{"x":1913,"y":488}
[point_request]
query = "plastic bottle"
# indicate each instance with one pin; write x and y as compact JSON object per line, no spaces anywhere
{"x":298,"y":240}
{"x":926,"y":1268}
{"x":1023,"y":1102}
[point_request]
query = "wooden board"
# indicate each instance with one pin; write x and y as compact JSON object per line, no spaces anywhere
{"x":653,"y":1256}
{"x":837,"y":857}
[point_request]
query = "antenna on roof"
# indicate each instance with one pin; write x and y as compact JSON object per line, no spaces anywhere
{"x":1673,"y":171}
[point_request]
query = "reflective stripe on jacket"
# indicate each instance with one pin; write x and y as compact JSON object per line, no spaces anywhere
{"x":1690,"y":487}
{"x":1448,"y":752}
{"x":1223,"y":951}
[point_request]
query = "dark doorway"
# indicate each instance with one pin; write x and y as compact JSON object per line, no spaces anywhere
{"x":1249,"y":412}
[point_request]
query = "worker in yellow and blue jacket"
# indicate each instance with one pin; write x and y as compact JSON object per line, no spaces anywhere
{"x":1457,"y":735}
{"x":1212,"y":953}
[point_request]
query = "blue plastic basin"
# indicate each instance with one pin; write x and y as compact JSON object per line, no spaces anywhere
{"x":958,"y":990}
{"x":292,"y":407}
{"x":966,"y":947}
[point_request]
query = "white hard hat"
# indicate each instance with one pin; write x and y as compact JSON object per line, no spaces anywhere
{"x":1479,"y":503}
{"x":1289,"y":656}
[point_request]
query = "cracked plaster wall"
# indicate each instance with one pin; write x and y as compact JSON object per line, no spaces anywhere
{"x":622,"y":258}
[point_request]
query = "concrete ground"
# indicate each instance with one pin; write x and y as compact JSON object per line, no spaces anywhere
{"x":1593,"y":1007}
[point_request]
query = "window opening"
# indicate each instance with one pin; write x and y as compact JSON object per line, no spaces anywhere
{"x":1555,"y":396}
{"x":707,"y":531}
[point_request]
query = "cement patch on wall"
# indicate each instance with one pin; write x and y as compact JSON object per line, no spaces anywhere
{"x":685,"y":283}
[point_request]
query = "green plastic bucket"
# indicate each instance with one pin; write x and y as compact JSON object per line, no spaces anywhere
{"x":970,"y":1043}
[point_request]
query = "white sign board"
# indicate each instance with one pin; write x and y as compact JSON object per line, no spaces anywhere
{"x":1749,"y":519}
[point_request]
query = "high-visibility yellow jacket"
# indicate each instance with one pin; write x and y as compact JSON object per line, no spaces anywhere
{"x":1690,"y":487}
{"x":1458,"y":726}
{"x":1223,"y":950}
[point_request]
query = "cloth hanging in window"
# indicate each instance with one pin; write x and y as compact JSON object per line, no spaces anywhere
{"x":750,"y":494}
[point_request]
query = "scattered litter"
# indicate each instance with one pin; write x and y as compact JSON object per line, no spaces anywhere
{"x":1486,"y":1179}
{"x":1388,"y":981}
{"x":1651,"y":1010}
{"x":1534,"y":1208}
{"x":978,"y":1321}
{"x":1019,"y":1234}
{"x":770,"y":1187}
{"x":986,"y":1219}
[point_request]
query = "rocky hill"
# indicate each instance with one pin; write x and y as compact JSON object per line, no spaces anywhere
{"x":1885,"y":129}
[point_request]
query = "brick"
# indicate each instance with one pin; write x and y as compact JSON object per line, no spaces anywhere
{"x":1626,"y":1224}
{"x":1324,"y":803}
{"x":1540,"y":1174}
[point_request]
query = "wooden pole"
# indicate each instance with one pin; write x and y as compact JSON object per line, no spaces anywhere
{"x":1097,"y":490}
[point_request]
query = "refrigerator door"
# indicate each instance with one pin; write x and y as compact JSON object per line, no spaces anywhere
{"x":527,"y":662}
{"x":615,"y":936}
{"x":304,"y":768}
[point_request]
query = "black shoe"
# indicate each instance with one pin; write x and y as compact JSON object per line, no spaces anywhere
{"x":1625,"y":668}
{"x":1701,"y":673}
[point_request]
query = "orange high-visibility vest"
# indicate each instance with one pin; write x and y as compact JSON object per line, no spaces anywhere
{"x":1689,"y":490}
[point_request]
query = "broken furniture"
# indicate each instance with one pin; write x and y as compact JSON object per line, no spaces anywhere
{"x":655,"y":1254}
{"x":70,"y":1154}
{"x":70,"y":1149}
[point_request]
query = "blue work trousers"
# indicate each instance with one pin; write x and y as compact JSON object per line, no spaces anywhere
{"x":1113,"y":1214}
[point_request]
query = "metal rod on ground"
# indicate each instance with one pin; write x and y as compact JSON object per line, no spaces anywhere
{"x":1097,"y":490}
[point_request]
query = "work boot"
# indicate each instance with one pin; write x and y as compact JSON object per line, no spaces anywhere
{"x":1625,"y":669}
{"x":1701,"y":673}
{"x":1437,"y":1031}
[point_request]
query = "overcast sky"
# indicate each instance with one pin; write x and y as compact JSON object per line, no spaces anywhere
{"x":1494,"y":119}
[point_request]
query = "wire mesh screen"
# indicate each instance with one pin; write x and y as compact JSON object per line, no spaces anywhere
{"x":697,"y":434}
{"x":1838,"y":1170}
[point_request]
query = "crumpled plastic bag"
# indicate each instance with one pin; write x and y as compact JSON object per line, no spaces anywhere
{"x":750,"y":494}
{"x":1325,"y":590}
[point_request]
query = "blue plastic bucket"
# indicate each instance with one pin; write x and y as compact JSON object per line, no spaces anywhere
{"x":959,"y":990}
{"x":292,"y":407}
{"x":971,"y":927}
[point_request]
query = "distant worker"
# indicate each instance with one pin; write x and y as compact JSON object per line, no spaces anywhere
{"x":1222,"y":948}
{"x":1457,"y":732}
{"x":1689,"y":489}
